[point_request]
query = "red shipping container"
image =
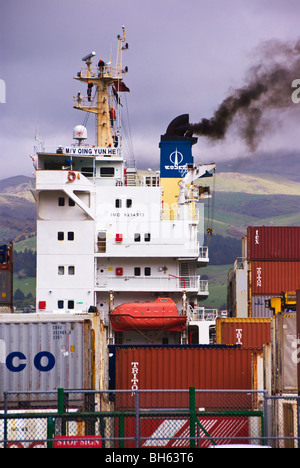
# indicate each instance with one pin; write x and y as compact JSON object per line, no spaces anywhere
{"x":169,"y":367}
{"x":174,"y":432}
{"x":274,"y":277}
{"x":273,"y":243}
{"x":247,"y":332}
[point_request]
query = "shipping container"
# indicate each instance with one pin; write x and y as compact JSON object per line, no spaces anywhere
{"x":173,"y":432}
{"x":274,"y":277}
{"x":285,"y":353}
{"x":273,"y":243}
{"x":259,"y":306}
{"x":204,"y":367}
{"x":6,"y":288}
{"x":247,"y":332}
{"x":45,"y":352}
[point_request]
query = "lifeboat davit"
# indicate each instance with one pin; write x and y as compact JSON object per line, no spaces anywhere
{"x":157,"y":315}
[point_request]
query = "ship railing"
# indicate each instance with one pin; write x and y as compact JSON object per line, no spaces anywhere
{"x":169,"y":246}
{"x":239,"y":263}
{"x":106,"y":72}
{"x":151,"y":180}
{"x":152,"y":283}
{"x":198,"y":314}
{"x":134,"y":179}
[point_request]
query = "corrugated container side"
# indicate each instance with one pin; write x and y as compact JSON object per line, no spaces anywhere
{"x":273,"y":243}
{"x":164,"y":368}
{"x":259,"y":308}
{"x":274,"y":277}
{"x":247,"y":332}
{"x":43,"y":356}
{"x":286,"y":355}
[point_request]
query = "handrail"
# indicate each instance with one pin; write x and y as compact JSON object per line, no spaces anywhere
{"x":179,"y":277}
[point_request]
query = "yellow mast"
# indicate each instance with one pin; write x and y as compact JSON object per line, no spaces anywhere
{"x":101,"y":78}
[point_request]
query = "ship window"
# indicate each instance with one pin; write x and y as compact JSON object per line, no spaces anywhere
{"x":87,"y":171}
{"x":60,"y":304}
{"x":71,"y":270}
{"x":60,"y":235}
{"x":128,"y":203}
{"x":137,"y":237}
{"x":118,"y":203}
{"x":137,"y":271}
{"x":107,"y":171}
{"x":101,"y":241}
{"x":71,"y":202}
{"x":147,"y":271}
{"x":70,"y":304}
{"x":70,"y":235}
{"x":61,"y":201}
{"x":61,"y":270}
{"x":147,"y":237}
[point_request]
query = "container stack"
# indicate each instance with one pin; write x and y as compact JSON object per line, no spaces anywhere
{"x":246,"y":332}
{"x":273,"y":255}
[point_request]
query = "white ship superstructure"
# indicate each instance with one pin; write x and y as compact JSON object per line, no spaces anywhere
{"x":109,"y":234}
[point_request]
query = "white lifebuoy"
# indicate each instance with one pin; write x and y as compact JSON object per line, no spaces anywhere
{"x":71,"y":176}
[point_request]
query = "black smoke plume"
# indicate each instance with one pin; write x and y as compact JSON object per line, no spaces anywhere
{"x":253,"y":107}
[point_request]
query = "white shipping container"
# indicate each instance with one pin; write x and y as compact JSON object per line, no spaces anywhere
{"x":45,"y":352}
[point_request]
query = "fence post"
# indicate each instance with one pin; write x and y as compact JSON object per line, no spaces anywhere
{"x":121,"y":431}
{"x":265,"y":423}
{"x":192,"y":408}
{"x":137,"y":420}
{"x":50,"y":432}
{"x":5,"y":420}
{"x":60,"y":400}
{"x":61,"y":409}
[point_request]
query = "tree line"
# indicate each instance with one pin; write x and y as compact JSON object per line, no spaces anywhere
{"x":25,"y":263}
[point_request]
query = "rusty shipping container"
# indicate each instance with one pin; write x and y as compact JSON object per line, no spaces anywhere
{"x":273,"y":243}
{"x":179,"y":367}
{"x":247,"y":332}
{"x":44,"y":352}
{"x":271,"y":278}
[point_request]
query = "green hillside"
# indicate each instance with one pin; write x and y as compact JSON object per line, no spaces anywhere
{"x":242,"y":200}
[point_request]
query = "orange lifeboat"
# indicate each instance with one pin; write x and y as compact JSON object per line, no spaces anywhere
{"x":157,"y":315}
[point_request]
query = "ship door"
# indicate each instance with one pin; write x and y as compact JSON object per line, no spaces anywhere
{"x":102,"y":275}
{"x":184,"y":274}
{"x":101,"y":241}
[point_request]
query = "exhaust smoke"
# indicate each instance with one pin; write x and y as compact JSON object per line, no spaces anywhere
{"x":252,"y":108}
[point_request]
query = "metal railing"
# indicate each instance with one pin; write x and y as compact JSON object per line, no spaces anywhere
{"x":153,"y":419}
{"x":199,"y":314}
{"x":152,"y":283}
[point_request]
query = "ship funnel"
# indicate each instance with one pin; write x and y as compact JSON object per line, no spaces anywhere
{"x":80,"y":133}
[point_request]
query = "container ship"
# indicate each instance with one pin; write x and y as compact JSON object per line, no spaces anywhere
{"x":116,"y":240}
{"x":118,"y":249}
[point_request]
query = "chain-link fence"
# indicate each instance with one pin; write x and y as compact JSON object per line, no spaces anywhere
{"x":154,"y":419}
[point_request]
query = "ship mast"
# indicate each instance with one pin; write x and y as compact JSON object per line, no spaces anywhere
{"x":102,"y":78}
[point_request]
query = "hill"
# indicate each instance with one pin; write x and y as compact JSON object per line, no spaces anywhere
{"x":242,"y":200}
{"x":285,"y":165}
{"x":17,"y":209}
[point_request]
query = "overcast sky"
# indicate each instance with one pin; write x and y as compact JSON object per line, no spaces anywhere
{"x":183,"y":57}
